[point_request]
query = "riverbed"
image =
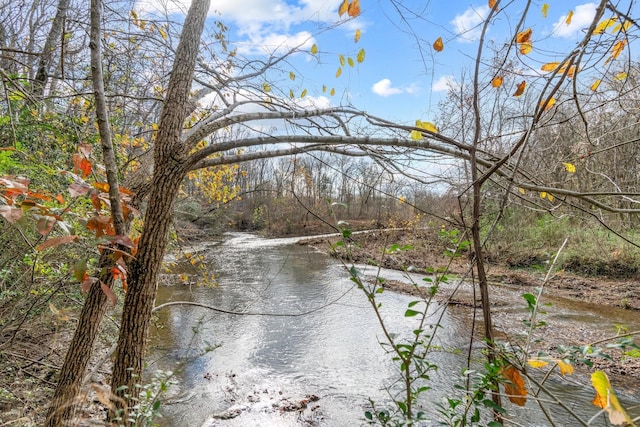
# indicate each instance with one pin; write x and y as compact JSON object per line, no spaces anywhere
{"x":295,"y":343}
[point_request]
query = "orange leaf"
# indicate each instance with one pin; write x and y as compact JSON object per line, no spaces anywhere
{"x":514,"y":387}
{"x":60,"y":199}
{"x":343,"y":8}
{"x":524,"y":36}
{"x":595,"y":85}
{"x":438,"y":45}
{"x":497,"y":81}
{"x":354,"y":8}
{"x":618,"y":48}
{"x":56,"y":242}
{"x":101,"y":224}
{"x":101,"y":186}
{"x":569,"y":16}
{"x":492,"y":4}
{"x":520,"y":89}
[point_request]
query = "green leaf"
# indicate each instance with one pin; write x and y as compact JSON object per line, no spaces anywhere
{"x":412,"y":303}
{"x":411,"y":313}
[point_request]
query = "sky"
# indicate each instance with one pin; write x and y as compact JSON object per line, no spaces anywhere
{"x":402,"y":77}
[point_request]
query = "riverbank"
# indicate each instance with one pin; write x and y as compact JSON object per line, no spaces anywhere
{"x":425,"y":249}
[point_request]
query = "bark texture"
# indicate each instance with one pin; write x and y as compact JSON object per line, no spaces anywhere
{"x":170,"y":166}
{"x":46,"y":57}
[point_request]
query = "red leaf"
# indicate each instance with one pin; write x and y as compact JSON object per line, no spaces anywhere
{"x":87,"y":282}
{"x":85,"y":149}
{"x":79,"y":189}
{"x":85,"y":167}
{"x":44,"y":224}
{"x":121,"y":240}
{"x":12,"y":215}
{"x":57,"y":242}
{"x":113,"y":299}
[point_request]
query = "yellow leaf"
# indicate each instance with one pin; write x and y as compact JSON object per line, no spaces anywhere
{"x":292,"y":76}
{"x":520,"y":89}
{"x":617,"y":48}
{"x":524,"y":36}
{"x":343,"y":8}
{"x":438,"y":45}
{"x":537,"y":363}
{"x":333,"y":92}
{"x":354,"y":8}
{"x":606,"y":399}
{"x":550,"y":197}
{"x":543,"y":195}
{"x":163,"y":34}
{"x":266,"y":87}
{"x":550,"y":66}
{"x":416,"y":135}
{"x":525,"y":48}
{"x":360,"y":57}
{"x":324,"y":88}
{"x":547,"y":104}
{"x":569,"y":167}
{"x":497,"y":81}
{"x":604,"y":24}
{"x":134,"y":15}
{"x":492,"y":4}
{"x":350,"y":62}
{"x":314,"y":49}
{"x":595,"y":85}
{"x":514,"y":387}
{"x":426,"y":126}
{"x":341,"y":58}
{"x":521,"y":190}
{"x":569,"y":17}
{"x":620,"y":76}
{"x":339,"y":72}
{"x":291,"y":95}
{"x":565,"y":368}
{"x":545,"y":10}
{"x":356,"y":37}
{"x":303,"y":94}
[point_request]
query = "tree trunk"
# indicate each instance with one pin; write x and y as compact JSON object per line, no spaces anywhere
{"x":55,"y":33}
{"x":170,"y":160}
{"x":62,"y":406}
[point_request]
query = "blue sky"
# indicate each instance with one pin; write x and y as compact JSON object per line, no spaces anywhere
{"x":402,"y":77}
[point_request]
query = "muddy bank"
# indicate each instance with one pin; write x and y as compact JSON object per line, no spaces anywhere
{"x":427,"y":251}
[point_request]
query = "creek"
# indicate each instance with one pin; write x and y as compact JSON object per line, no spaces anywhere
{"x":272,"y":360}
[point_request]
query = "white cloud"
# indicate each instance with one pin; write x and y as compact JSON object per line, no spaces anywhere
{"x":582,"y":17}
{"x":445,"y":84}
{"x":273,"y":43}
{"x":468,"y":25}
{"x":384,"y":88}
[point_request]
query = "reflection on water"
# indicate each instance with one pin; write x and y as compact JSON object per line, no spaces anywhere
{"x":270,"y":353}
